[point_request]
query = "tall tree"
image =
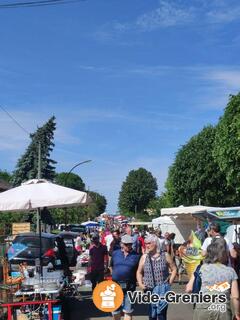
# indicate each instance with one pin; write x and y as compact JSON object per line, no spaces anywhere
{"x":138,"y":189}
{"x":70,"y":180}
{"x":100,"y":202}
{"x":226,"y":149}
{"x":27,"y":165}
{"x":195,"y":175}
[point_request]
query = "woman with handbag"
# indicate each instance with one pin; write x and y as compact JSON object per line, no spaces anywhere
{"x":153,"y":275}
{"x":217,"y":277}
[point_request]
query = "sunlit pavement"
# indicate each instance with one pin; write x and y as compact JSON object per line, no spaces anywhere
{"x":84,"y":309}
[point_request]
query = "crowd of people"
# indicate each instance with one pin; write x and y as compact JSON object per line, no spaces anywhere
{"x":152,"y":261}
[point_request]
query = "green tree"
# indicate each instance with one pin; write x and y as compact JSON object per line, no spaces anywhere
{"x":136,"y":192}
{"x":27,"y":165}
{"x":70,"y":180}
{"x":69,"y":215}
{"x":100,"y":202}
{"x":155,"y":205}
{"x":80,"y":214}
{"x":5,"y":176}
{"x":195,"y":175}
{"x":226,"y":148}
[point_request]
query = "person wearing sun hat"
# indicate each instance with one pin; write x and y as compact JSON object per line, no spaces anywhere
{"x":124,"y":265}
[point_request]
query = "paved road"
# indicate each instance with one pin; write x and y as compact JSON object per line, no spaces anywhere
{"x":84,"y":309}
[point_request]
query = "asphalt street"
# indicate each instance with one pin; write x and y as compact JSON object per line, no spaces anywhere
{"x":82,"y":308}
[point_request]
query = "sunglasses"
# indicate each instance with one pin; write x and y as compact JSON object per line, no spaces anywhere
{"x":127,"y":244}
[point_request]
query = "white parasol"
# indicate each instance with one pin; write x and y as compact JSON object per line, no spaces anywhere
{"x":39,"y":193}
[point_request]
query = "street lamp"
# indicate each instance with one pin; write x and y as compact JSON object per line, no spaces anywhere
{"x":76,"y":165}
{"x":66,"y":178}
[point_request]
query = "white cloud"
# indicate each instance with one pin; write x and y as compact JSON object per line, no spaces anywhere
{"x":151,"y":70}
{"x":166,"y":15}
{"x":92,"y":68}
{"x":63,"y":136}
{"x":228,"y":78}
{"x":173,"y":13}
{"x":223,"y":15}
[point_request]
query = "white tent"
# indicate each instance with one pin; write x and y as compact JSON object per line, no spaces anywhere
{"x":183,"y":210}
{"x":180,"y":227}
{"x":35,"y":194}
{"x":179,"y":221}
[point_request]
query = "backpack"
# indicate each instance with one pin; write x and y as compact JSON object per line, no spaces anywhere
{"x":197,"y":280}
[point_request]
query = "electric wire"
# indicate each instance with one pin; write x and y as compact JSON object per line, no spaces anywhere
{"x":17,"y":123}
{"x":37,"y":3}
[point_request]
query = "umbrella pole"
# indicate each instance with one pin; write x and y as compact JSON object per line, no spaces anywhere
{"x":39,"y":218}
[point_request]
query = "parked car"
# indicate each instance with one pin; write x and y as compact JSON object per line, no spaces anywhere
{"x":26,"y":248}
{"x":72,"y":227}
{"x":76,"y":228}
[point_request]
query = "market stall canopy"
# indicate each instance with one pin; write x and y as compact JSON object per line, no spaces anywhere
{"x":183,"y":210}
{"x":229,"y":213}
{"x":40,"y":193}
{"x":140,"y":223}
{"x":172,"y":224}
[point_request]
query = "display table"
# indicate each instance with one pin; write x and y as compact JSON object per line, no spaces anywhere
{"x":47,"y":287}
{"x":11,"y":305}
{"x":37,"y":291}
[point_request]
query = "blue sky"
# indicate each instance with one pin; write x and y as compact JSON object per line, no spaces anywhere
{"x":128,"y":81}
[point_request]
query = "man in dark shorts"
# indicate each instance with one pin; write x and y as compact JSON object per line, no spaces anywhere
{"x":98,"y":260}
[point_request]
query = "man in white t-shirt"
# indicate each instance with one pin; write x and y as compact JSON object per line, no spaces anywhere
{"x":215,"y":233}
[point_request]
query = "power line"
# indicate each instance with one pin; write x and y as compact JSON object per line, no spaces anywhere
{"x":18,"y":124}
{"x":37,"y":3}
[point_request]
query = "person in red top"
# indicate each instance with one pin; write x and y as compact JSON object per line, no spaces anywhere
{"x":98,"y":261}
{"x":102,"y":237}
{"x":142,"y":243}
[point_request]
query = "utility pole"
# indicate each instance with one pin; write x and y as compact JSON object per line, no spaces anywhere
{"x":39,"y":177}
{"x":39,"y":161}
{"x":135,"y":211}
{"x":39,"y":218}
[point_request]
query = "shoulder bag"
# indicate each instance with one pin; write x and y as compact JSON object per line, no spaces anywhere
{"x":161,"y":290}
{"x":197,"y":280}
